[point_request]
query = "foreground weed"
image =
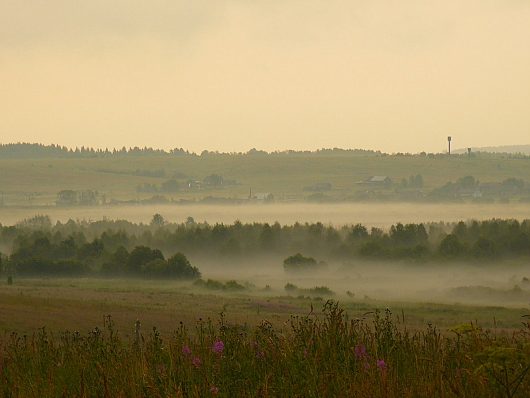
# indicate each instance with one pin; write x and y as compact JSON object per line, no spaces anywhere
{"x":321,"y":354}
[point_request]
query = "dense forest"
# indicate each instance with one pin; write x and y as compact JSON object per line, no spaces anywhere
{"x":36,"y":247}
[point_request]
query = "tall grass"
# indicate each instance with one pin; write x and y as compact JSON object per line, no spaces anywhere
{"x":318,"y":355}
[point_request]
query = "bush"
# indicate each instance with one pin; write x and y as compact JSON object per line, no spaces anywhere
{"x":233,"y":286}
{"x":140,"y":256}
{"x":299,"y":263}
{"x":289,"y":287}
{"x":155,"y":268}
{"x":321,"y":291}
{"x":178,"y":266}
{"x":211,"y":284}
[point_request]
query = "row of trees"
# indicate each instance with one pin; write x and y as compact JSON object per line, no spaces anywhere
{"x":491,"y":239}
{"x":35,"y":150}
{"x":36,"y":254}
{"x":172,"y":185}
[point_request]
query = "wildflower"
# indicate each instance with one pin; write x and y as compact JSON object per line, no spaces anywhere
{"x":196,"y":361}
{"x":214,"y":390}
{"x":218,"y":347}
{"x":381,"y":364}
{"x":360,"y":351}
{"x":186,"y":350}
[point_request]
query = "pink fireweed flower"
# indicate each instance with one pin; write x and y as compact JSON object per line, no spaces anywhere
{"x":186,"y":350}
{"x":381,"y":364}
{"x":214,"y":390}
{"x":360,"y":351}
{"x":196,"y":361}
{"x":218,"y":347}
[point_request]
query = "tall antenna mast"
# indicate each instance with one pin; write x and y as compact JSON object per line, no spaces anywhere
{"x":449,"y":142}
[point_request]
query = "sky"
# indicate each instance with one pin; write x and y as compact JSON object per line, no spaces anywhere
{"x":230,"y":75}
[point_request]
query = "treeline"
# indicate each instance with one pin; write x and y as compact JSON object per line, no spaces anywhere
{"x":125,"y":248}
{"x":45,"y":254}
{"x":35,"y":150}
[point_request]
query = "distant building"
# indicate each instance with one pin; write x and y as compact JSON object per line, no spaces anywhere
{"x":263,"y":197}
{"x":377,"y":180}
{"x":193,"y":184}
{"x":70,"y":197}
{"x":66,"y":197}
{"x":87,"y":198}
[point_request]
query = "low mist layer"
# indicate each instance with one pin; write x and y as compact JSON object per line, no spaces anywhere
{"x":370,"y":214}
{"x":476,"y":262}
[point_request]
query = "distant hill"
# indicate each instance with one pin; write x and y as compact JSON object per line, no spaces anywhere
{"x":499,"y":149}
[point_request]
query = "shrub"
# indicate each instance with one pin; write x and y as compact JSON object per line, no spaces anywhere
{"x":140,"y":256}
{"x":321,"y":291}
{"x":178,"y":266}
{"x":299,"y":263}
{"x":289,"y":287}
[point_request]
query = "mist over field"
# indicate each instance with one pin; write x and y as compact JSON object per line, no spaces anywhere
{"x":498,"y":285}
{"x":479,"y":261}
{"x":370,"y":214}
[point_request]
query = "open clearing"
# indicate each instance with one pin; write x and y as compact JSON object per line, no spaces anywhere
{"x":80,"y":304}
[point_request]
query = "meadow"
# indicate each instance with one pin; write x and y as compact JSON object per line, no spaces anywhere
{"x":56,"y":303}
{"x":36,"y":180}
{"x":233,"y":345}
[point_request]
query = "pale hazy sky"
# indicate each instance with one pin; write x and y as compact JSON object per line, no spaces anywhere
{"x":229,"y":75}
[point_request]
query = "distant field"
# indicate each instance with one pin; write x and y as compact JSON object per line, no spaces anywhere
{"x":80,"y":304}
{"x":37,"y":181}
{"x":370,"y":214}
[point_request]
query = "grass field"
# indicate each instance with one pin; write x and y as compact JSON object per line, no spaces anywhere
{"x":80,"y":304}
{"x":264,"y":346}
{"x":37,"y":181}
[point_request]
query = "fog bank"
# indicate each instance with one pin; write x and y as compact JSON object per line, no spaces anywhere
{"x":371,"y":215}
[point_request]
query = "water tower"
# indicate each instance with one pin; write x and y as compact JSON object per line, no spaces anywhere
{"x":449,"y":142}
